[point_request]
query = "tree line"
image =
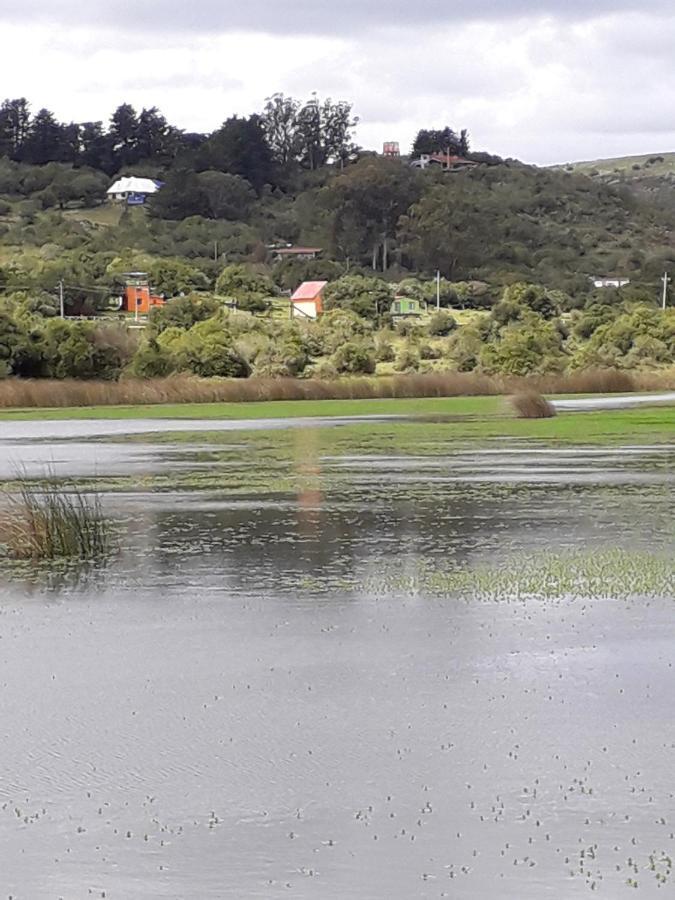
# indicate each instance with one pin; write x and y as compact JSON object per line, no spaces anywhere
{"x":285,"y":133}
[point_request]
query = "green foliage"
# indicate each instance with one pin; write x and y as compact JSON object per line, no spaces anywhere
{"x":641,"y":336}
{"x":83,"y":350}
{"x":363,"y":207}
{"x":338,"y":326}
{"x":227,"y":196}
{"x":366,"y":296}
{"x":407,"y":359}
{"x":384,"y":351}
{"x":534,"y":297}
{"x":250,"y":289}
{"x":289,"y":273}
{"x":441,"y":324}
{"x":183,"y":312}
{"x":208,"y":349}
{"x":152,"y":360}
{"x":10,"y":339}
{"x":354,"y":359}
{"x":311,"y":134}
{"x":525,"y":347}
{"x":174,"y":276}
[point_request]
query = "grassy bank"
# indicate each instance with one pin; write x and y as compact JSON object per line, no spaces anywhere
{"x":60,"y":394}
{"x":460,"y":418}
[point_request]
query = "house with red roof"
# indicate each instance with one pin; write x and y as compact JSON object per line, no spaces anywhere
{"x":448,"y":162}
{"x":307,"y":301}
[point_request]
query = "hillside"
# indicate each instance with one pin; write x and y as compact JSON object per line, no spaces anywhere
{"x":496,"y":224}
{"x":653,"y":164}
{"x":651,"y":177}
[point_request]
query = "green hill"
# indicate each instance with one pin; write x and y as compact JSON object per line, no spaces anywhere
{"x":650,"y":164}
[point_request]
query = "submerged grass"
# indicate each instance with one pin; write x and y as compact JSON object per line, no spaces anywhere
{"x":602,"y":574}
{"x":51,"y":520}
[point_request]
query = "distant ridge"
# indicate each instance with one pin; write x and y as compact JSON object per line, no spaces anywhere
{"x":653,"y":164}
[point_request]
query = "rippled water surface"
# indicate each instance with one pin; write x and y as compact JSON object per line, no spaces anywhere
{"x":244,"y":704}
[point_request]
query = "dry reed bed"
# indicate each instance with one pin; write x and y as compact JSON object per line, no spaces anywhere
{"x":27,"y":393}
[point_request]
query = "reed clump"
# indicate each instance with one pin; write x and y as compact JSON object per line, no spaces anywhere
{"x":44,"y":393}
{"x":531,"y":405}
{"x":49,"y":520}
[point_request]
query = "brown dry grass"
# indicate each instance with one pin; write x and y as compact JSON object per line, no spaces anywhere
{"x":531,"y":405}
{"x":25,"y":393}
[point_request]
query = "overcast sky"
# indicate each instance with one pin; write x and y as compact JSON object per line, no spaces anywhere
{"x":544,"y":81}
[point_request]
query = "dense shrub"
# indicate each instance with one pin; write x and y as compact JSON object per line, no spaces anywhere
{"x":354,"y":359}
{"x":407,"y":359}
{"x":338,"y":326}
{"x":441,"y":324}
{"x":384,"y":352}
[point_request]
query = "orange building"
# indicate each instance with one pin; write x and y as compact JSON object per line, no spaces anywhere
{"x":137,"y":297}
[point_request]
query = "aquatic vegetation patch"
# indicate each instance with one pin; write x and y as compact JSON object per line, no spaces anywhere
{"x":610,"y":574}
{"x":50,"y":519}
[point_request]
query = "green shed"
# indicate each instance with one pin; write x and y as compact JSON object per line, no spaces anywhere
{"x":407,"y":306}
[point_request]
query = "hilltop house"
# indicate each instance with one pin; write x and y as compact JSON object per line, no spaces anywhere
{"x":132,"y":190}
{"x":307,"y":301}
{"x":448,"y":162}
{"x":610,"y":281}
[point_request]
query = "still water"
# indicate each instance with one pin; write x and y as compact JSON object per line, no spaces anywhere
{"x":242,"y":703}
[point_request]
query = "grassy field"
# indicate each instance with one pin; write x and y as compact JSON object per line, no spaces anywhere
{"x":469,"y":418}
{"x":658,"y":164}
{"x":273,"y":409}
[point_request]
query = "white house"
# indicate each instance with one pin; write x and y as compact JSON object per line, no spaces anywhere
{"x":133,"y":190}
{"x":611,"y":282}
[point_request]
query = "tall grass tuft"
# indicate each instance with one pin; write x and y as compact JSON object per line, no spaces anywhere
{"x":50,"y":520}
{"x":531,"y":405}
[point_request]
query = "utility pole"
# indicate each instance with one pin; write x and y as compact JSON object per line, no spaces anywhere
{"x":664,"y":298}
{"x":438,"y":288}
{"x":61,"y":301}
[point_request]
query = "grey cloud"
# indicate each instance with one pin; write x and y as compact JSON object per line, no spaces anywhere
{"x":302,"y":16}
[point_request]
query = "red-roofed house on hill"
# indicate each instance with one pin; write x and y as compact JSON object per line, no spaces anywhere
{"x":307,"y":301}
{"x":292,"y":252}
{"x":448,"y":162}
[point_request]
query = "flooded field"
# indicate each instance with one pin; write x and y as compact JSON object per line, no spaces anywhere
{"x":276,"y":688}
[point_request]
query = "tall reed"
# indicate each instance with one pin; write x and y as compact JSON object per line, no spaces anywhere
{"x":27,"y":393}
{"x":52,"y":520}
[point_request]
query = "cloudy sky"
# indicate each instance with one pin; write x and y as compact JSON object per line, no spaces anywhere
{"x":542,"y":80}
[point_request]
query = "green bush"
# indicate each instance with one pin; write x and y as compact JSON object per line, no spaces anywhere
{"x":366,"y":296}
{"x":441,"y":324}
{"x":407,"y":359}
{"x":152,"y":360}
{"x":250,"y":290}
{"x":183,"y":312}
{"x":354,"y":359}
{"x":384,"y":352}
{"x":338,"y":326}
{"x":208,"y":350}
